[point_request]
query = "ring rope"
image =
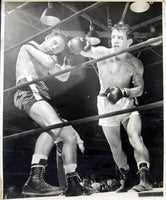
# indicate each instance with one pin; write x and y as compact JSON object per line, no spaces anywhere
{"x":86,"y":119}
{"x":87,"y":9}
{"x":131,"y":48}
{"x":17,"y":8}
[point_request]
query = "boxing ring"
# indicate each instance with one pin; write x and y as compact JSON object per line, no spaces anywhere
{"x":154,"y":105}
{"x":92,"y":118}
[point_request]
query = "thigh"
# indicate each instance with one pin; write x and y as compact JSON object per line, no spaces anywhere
{"x":43,"y":113}
{"x":133,"y":126}
{"x":112,"y":134}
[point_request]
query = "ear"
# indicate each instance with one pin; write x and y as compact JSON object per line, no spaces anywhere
{"x":130,"y":41}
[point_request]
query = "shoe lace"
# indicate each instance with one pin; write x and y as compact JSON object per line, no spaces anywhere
{"x":142,"y":170}
{"x":42,"y":178}
{"x":79,"y":178}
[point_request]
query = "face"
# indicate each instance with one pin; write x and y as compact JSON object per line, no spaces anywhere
{"x":119,"y":40}
{"x":53,"y":44}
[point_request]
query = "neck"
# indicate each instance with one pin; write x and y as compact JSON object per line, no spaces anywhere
{"x":121,"y":56}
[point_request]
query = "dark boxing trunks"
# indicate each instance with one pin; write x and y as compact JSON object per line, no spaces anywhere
{"x":25,"y":97}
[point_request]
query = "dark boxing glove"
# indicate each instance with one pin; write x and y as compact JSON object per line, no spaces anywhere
{"x":115,"y":94}
{"x":77,"y":44}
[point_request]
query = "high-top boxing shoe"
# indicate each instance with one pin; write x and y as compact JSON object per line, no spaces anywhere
{"x":124,"y":181}
{"x":144,"y":184}
{"x":74,"y":188}
{"x":36,"y":185}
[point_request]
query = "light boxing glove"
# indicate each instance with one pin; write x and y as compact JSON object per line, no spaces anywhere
{"x":77,"y":44}
{"x":115,"y":94}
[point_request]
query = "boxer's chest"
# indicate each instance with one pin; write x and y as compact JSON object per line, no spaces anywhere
{"x":116,"y":72}
{"x":40,"y":70}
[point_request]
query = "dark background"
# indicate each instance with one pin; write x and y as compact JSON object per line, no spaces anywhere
{"x":77,"y":97}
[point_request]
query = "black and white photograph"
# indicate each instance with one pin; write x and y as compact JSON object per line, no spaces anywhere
{"x":82,"y":101}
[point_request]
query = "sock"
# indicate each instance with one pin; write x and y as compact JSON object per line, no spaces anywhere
{"x":143,"y":164}
{"x":70,"y":168}
{"x":39,"y":159}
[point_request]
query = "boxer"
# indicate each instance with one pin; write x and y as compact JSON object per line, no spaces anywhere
{"x":35,"y":61}
{"x":121,"y":82}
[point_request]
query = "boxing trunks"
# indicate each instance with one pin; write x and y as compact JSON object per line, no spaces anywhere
{"x":25,"y":97}
{"x":104,"y":106}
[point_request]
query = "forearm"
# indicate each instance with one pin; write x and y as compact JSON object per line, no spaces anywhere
{"x":93,"y":52}
{"x":79,"y":45}
{"x":41,"y":57}
{"x":133,"y":92}
{"x":138,"y":86}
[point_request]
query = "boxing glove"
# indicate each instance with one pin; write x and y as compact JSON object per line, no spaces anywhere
{"x":115,"y":94}
{"x":77,"y":44}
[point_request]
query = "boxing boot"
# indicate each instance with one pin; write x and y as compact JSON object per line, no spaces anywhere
{"x":144,"y":184}
{"x":74,"y":188}
{"x":124,"y":180}
{"x":36,"y":185}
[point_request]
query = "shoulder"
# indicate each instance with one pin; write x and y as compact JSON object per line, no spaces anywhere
{"x":136,"y":63}
{"x":29,"y":48}
{"x":29,"y":45}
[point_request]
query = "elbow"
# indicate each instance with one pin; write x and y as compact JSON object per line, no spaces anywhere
{"x":140,"y":91}
{"x":25,"y":48}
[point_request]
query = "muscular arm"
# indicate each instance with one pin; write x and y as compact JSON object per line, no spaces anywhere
{"x":49,"y":62}
{"x":137,"y":80}
{"x":95,"y":52}
{"x":138,"y":86}
{"x":42,"y":58}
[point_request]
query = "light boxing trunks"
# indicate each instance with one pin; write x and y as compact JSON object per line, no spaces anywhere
{"x":25,"y":97}
{"x":105,"y":106}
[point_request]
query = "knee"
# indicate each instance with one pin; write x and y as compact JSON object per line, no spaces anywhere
{"x":69,"y":136}
{"x":50,"y":122}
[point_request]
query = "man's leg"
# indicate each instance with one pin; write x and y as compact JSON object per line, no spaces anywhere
{"x":69,"y":157}
{"x":42,"y":113}
{"x":141,"y":154}
{"x":112,"y":135}
{"x":36,"y":185}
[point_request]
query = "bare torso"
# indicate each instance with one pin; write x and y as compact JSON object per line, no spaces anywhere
{"x":28,"y":66}
{"x":117,"y":71}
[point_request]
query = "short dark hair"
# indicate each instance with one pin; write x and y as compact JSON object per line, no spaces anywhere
{"x":124,"y":27}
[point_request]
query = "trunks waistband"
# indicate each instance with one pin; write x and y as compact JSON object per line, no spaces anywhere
{"x":27,"y":78}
